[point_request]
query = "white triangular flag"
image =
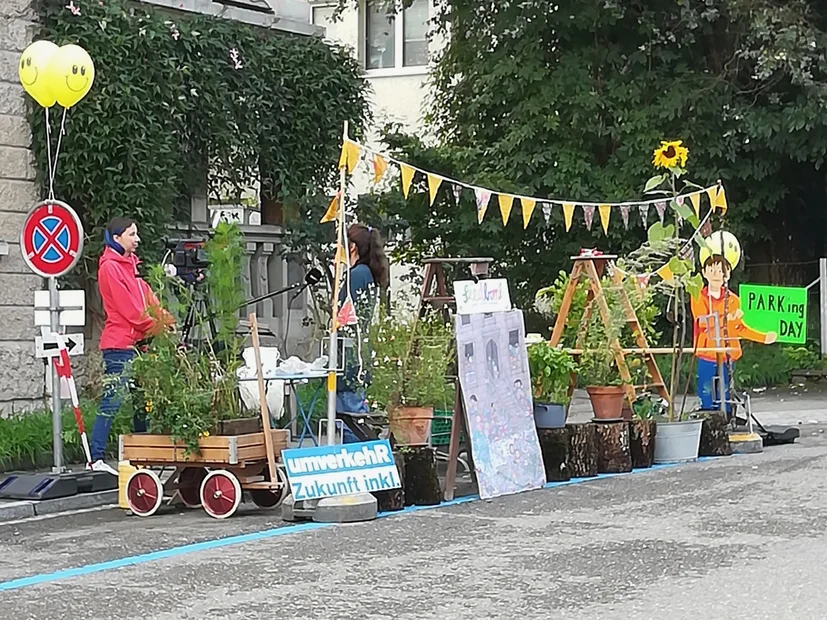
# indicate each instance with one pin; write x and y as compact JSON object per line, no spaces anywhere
{"x":547,"y":212}
{"x":457,"y":193}
{"x":588,"y":214}
{"x":660,"y":207}
{"x":624,"y":213}
{"x":644,"y":214}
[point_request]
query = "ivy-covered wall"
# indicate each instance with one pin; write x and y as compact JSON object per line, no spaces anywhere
{"x":175,"y":95}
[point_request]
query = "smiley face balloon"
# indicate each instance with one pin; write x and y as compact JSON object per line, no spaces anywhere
{"x":71,"y":73}
{"x":32,"y":71}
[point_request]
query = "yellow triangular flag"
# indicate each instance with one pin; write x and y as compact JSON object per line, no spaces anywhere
{"x":332,"y":210}
{"x":720,"y":200}
{"x":712,"y":192}
{"x":665,"y":272}
{"x":528,"y":205}
{"x":605,"y":212}
{"x":380,"y":165}
{"x":695,"y":199}
{"x":343,"y":156}
{"x":407,"y":177}
{"x":341,"y":256}
{"x":353,"y":152}
{"x":568,"y":213}
{"x":433,"y":186}
{"x":506,"y":202}
{"x":621,"y":274}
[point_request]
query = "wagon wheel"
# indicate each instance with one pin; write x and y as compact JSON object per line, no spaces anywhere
{"x":189,"y":486}
{"x":220,"y":494}
{"x":264,"y":498}
{"x":144,"y":492}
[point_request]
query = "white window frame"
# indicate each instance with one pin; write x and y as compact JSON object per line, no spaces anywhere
{"x":399,"y":46}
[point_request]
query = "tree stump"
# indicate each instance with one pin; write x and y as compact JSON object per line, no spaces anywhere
{"x":421,"y":481}
{"x":613,"y":455}
{"x":714,"y":436}
{"x":393,"y":499}
{"x":582,"y":450}
{"x":642,"y":442}
{"x":554,"y":445}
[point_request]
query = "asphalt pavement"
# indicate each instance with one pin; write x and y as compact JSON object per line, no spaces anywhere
{"x":740,"y":537}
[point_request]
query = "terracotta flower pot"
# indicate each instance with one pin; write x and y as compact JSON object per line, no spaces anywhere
{"x":607,"y":401}
{"x":411,"y":426}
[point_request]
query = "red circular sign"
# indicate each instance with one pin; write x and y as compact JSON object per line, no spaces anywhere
{"x":52,"y":239}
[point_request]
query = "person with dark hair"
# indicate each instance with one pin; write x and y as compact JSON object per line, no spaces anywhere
{"x":369,"y":276}
{"x":127,"y":301}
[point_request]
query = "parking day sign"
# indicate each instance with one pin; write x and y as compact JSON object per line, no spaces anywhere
{"x":328,"y":471}
{"x":779,"y":309}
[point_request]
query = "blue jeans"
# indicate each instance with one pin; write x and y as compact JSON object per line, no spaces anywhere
{"x":114,"y":381}
{"x":350,"y":402}
{"x":707,"y":371}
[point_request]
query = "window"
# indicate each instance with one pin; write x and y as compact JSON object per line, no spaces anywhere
{"x":394,"y":41}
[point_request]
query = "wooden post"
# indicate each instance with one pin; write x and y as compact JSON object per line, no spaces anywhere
{"x":613,"y":455}
{"x":582,"y":450}
{"x":262,"y":397}
{"x":714,"y":436}
{"x":554,"y":444}
{"x":642,"y":442}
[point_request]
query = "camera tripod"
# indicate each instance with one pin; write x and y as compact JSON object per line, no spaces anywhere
{"x":199,"y":307}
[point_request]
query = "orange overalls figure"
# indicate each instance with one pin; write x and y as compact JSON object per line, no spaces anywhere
{"x":719,"y":256}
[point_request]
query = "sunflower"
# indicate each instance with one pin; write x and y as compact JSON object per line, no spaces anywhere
{"x":670,"y":155}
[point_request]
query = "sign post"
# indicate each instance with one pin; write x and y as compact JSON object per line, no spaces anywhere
{"x":779,"y":309}
{"x":52,"y":242}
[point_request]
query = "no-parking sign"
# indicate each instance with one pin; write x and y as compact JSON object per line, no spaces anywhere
{"x":52,"y":239}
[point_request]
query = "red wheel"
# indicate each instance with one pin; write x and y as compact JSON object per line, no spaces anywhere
{"x":144,"y":492}
{"x":189,"y":486}
{"x":220,"y":494}
{"x":270,"y":499}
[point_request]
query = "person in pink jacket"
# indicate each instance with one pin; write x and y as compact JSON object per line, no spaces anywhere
{"x":132,"y":314}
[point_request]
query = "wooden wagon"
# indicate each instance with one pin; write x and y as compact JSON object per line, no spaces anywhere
{"x":215,"y":476}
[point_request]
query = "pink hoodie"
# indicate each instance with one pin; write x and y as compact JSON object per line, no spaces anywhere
{"x":126,"y":298}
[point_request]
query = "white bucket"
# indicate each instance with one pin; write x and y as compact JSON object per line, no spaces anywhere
{"x":678,"y":442}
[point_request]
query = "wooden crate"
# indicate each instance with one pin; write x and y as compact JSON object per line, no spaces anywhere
{"x":235,"y":450}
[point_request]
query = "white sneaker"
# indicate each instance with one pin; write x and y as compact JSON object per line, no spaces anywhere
{"x":100,"y":465}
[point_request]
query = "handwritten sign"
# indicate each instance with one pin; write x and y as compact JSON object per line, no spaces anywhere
{"x":482,"y":297}
{"x":779,"y":309}
{"x":328,"y":471}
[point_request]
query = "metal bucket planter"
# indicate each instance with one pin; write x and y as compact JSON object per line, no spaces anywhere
{"x":678,"y":442}
{"x":549,"y":415}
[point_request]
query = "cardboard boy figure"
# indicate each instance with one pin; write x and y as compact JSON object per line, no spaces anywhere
{"x":719,"y":256}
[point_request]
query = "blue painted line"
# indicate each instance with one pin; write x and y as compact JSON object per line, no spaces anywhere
{"x":208,"y":545}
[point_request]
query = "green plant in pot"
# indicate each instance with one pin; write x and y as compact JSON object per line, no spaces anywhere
{"x":598,"y":371}
{"x":410,"y":361}
{"x":551,"y":370}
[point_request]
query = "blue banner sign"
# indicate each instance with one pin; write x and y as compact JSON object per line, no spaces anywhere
{"x":328,"y":471}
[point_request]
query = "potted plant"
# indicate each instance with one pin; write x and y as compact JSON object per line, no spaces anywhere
{"x":598,"y":370}
{"x":411,"y":358}
{"x":551,"y":370}
{"x":671,"y":258}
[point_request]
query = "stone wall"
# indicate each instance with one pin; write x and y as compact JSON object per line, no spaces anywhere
{"x":21,"y":374}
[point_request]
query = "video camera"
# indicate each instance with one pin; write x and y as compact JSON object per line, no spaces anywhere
{"x":189,"y":258}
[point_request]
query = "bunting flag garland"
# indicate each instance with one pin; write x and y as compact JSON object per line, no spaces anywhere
{"x":660,"y":207}
{"x":457,"y":194}
{"x":665,"y":272}
{"x":695,"y":199}
{"x":407,"y":178}
{"x":588,"y":214}
{"x":506,"y":203}
{"x":528,"y":205}
{"x":568,"y":213}
{"x":644,"y":214}
{"x":433,"y":186}
{"x":605,"y":213}
{"x":483,"y":197}
{"x":720,"y":201}
{"x":547,"y":212}
{"x":347,"y":314}
{"x":380,"y":165}
{"x":332,"y":210}
{"x":341,"y":255}
{"x":643,"y":280}
{"x":352,"y":151}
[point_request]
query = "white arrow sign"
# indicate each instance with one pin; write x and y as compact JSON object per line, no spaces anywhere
{"x":46,"y":346}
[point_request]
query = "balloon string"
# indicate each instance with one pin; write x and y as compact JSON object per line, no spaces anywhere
{"x":49,"y":155}
{"x":57,"y":149}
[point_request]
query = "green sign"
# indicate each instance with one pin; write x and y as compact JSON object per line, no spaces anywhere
{"x":779,"y":309}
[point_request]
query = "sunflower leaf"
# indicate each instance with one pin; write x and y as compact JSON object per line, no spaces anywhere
{"x":694,"y":284}
{"x":694,"y":220}
{"x":654,"y":182}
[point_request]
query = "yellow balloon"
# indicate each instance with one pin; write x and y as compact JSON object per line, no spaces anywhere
{"x":722,"y":243}
{"x":32,"y":71}
{"x":71,"y":73}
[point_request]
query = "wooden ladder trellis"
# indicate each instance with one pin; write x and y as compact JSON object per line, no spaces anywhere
{"x":592,"y":267}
